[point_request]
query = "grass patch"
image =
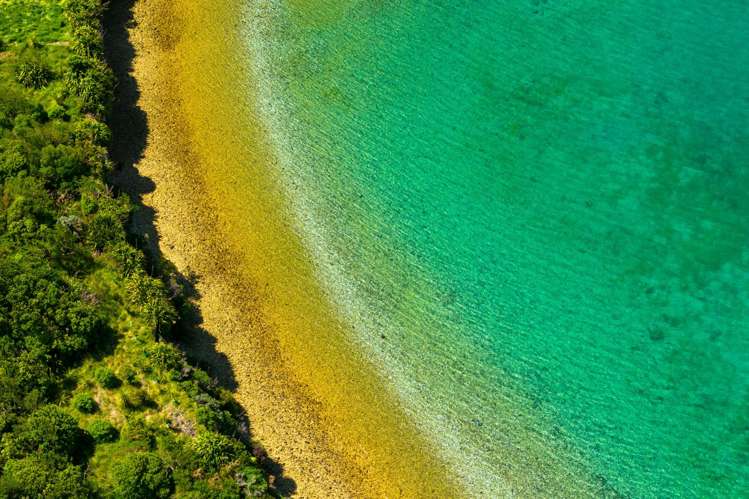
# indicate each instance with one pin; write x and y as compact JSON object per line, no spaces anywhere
{"x":32,"y":22}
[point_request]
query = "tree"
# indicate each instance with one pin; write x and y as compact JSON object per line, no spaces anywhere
{"x":49,"y":429}
{"x":142,"y":475}
{"x":150,"y":295}
{"x":43,"y":475}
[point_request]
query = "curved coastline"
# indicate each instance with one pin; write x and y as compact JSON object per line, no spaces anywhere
{"x":521,"y":463}
{"x":336,"y":435}
{"x":231,"y":216}
{"x":224,"y":215}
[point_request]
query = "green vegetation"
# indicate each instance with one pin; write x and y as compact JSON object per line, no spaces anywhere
{"x":102,"y":431}
{"x":142,"y":475}
{"x":106,"y":377}
{"x":93,"y":401}
{"x":85,"y":403}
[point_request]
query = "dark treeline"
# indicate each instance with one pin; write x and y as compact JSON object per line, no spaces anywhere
{"x":93,"y":401}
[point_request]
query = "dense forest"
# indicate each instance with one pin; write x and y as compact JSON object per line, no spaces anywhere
{"x":94,"y":399}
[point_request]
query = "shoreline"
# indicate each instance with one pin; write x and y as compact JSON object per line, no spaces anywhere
{"x":317,"y":425}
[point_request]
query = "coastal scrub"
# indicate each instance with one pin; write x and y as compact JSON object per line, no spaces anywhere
{"x":93,"y":401}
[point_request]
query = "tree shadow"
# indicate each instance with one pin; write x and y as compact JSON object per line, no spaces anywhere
{"x":104,"y":343}
{"x":129,"y":125}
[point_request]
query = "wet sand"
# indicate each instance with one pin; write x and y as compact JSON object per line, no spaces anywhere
{"x":197,"y":161}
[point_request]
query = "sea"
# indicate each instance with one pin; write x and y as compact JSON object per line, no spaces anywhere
{"x":534,"y":217}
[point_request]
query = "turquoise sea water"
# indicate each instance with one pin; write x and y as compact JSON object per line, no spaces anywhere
{"x":535,"y":215}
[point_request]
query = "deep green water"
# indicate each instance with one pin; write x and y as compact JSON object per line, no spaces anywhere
{"x":535,"y":214}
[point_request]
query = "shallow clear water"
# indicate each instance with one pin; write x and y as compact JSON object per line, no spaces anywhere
{"x":535,"y":214}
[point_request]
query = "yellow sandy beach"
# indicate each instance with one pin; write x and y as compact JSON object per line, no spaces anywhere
{"x":313,"y":401}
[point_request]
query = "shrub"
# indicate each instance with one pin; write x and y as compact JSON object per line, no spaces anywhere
{"x":165,"y":357}
{"x":97,"y":159}
{"x":106,"y":378}
{"x":134,"y":399}
{"x":12,"y":160}
{"x":26,"y":196}
{"x":13,"y":101}
{"x":128,"y":259}
{"x":72,"y":223}
{"x":39,"y":114}
{"x":205,"y":382}
{"x":43,"y":475}
{"x":216,"y":419}
{"x":49,"y":429}
{"x":84,"y":12}
{"x":131,"y":376}
{"x":23,"y":124}
{"x":32,"y":74}
{"x":103,"y":431}
{"x":56,"y":111}
{"x":68,"y":483}
{"x":85,"y":403}
{"x":88,"y":42}
{"x":61,"y":163}
{"x":215,"y":450}
{"x":102,"y":230}
{"x":137,"y":430}
{"x":92,"y":130}
{"x":93,"y":81}
{"x":48,"y":311}
{"x":251,"y":481}
{"x":142,"y":475}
